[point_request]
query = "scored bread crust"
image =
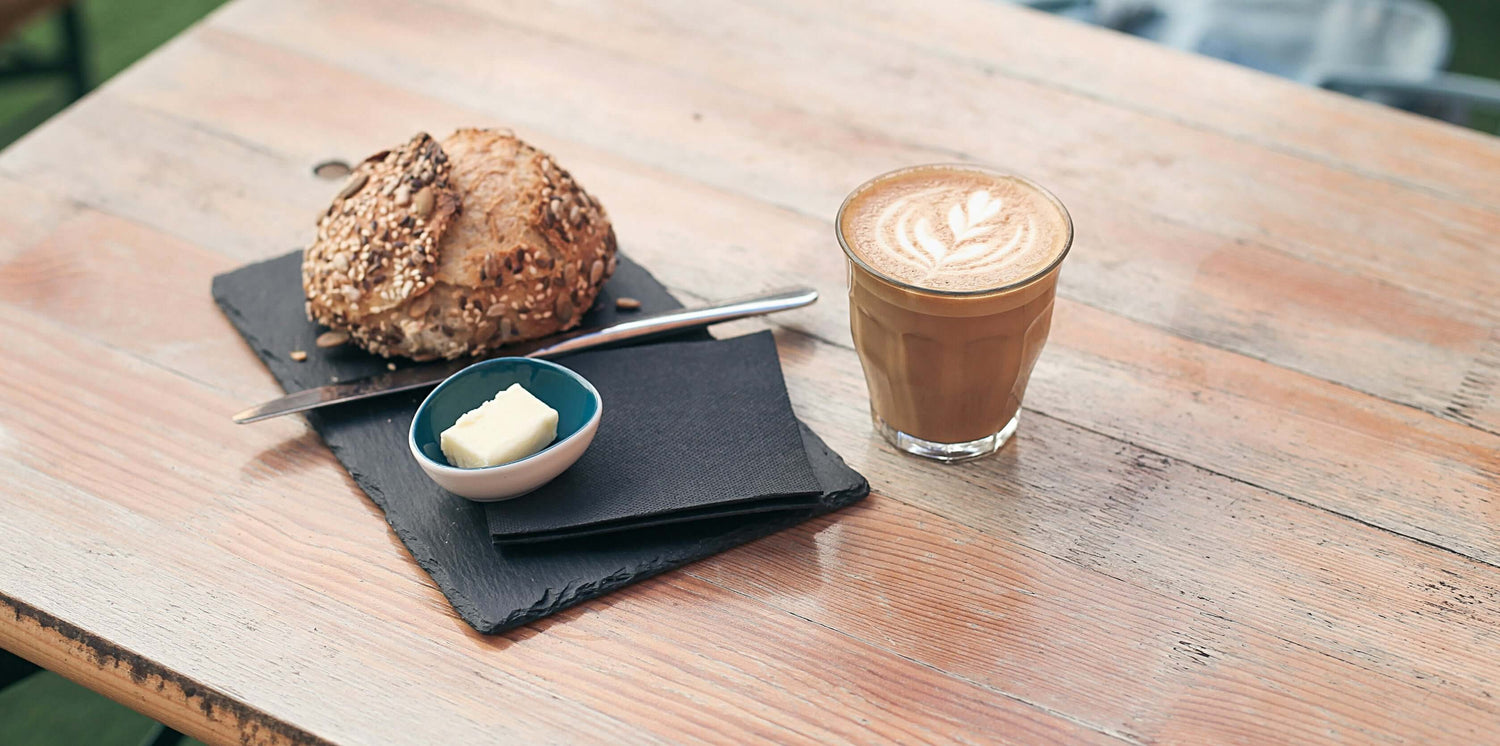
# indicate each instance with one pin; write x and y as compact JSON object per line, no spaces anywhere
{"x":522,"y":256}
{"x":377,"y":243}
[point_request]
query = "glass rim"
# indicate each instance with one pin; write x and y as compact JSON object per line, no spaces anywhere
{"x":838,"y":231}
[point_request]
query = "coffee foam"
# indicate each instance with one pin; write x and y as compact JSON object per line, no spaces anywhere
{"x":953,"y":228}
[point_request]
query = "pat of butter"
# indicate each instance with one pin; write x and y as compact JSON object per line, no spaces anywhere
{"x":511,"y":426}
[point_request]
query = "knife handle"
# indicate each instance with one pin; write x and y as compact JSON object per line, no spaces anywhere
{"x":691,"y":318}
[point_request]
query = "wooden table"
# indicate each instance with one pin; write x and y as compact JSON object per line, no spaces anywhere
{"x":1255,"y":496}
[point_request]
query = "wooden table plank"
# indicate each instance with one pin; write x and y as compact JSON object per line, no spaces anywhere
{"x":156,"y":337}
{"x":752,"y":73}
{"x":364,"y":610}
{"x":1229,"y":285}
{"x":77,"y":243}
{"x":1347,"y":133}
{"x":867,"y":569}
{"x":1254,"y":421}
{"x":698,"y":208}
{"x":163,"y":254}
{"x":1201,"y":535}
{"x":1046,"y":584}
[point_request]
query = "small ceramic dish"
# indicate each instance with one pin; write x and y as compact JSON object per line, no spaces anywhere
{"x":578,"y":408}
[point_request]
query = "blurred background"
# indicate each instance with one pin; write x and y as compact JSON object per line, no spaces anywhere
{"x":1440,"y":59}
{"x":53,"y":51}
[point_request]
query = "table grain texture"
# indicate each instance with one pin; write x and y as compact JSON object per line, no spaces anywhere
{"x":1253,"y":497}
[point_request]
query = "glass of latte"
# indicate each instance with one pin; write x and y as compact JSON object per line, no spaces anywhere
{"x":952,"y":273}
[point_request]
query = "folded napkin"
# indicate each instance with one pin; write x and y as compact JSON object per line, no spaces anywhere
{"x":690,"y":430}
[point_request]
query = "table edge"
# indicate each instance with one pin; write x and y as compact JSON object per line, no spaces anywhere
{"x":137,"y":682}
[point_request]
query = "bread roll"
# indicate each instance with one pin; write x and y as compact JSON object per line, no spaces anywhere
{"x":439,"y":251}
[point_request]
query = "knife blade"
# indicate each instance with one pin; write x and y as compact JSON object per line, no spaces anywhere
{"x":431,"y":374}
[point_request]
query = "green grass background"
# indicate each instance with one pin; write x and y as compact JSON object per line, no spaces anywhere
{"x":118,"y":31}
{"x":48,"y":710}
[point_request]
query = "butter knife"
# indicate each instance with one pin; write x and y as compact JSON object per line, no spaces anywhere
{"x":431,"y":374}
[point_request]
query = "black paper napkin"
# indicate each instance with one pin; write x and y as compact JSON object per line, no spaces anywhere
{"x":494,"y":588}
{"x":690,"y":430}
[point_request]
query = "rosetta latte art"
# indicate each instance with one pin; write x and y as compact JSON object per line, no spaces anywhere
{"x":952,"y":228}
{"x":971,"y":237}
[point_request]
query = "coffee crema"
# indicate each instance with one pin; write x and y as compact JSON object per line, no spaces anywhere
{"x":953,"y":228}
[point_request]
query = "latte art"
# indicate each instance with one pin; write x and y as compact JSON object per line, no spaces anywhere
{"x":975,"y":237}
{"x":954,"y":228}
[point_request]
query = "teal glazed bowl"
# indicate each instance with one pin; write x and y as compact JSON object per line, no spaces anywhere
{"x":578,"y":408}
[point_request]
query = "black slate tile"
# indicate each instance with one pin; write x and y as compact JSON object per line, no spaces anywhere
{"x":492,"y":588}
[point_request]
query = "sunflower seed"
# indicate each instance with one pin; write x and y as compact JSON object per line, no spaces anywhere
{"x":298,"y":355}
{"x":352,"y":187}
{"x":419,"y":307}
{"x":485,"y":331}
{"x":332,"y":338}
{"x":421,"y":204}
{"x":627,"y":304}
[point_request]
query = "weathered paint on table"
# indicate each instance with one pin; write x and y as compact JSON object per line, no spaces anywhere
{"x":1253,"y":497}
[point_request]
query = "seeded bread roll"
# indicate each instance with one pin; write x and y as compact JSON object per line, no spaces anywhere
{"x":442,"y":251}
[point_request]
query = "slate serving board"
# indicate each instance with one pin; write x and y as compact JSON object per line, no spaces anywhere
{"x":492,"y":588}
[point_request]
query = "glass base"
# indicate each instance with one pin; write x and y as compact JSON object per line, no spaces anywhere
{"x":948,"y":452}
